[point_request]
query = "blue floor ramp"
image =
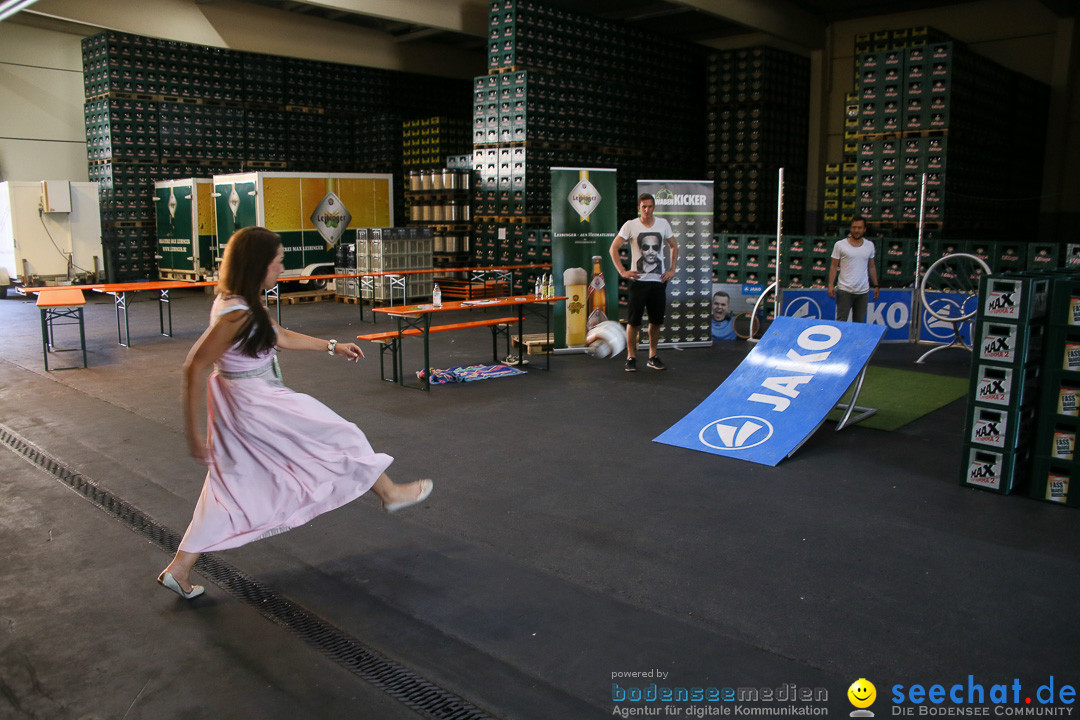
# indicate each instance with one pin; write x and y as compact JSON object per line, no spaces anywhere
{"x":780,"y":394}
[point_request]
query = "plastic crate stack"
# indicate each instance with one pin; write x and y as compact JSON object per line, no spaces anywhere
{"x":560,"y":91}
{"x":158,"y":110}
{"x":1054,"y":474}
{"x":757,"y":109}
{"x":1006,"y":372}
{"x":390,"y":249}
{"x":935,"y":109}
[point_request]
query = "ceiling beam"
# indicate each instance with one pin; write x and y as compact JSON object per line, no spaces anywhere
{"x":777,"y":18}
{"x":468,"y":17}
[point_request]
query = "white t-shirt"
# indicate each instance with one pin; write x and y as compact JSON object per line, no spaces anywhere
{"x":854,"y":276}
{"x":648,"y":247}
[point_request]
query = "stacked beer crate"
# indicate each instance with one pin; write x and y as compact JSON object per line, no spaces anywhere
{"x":158,"y":109}
{"x":386,"y":250}
{"x":934,"y":110}
{"x":571,"y":90}
{"x":1054,"y":474}
{"x":757,"y":121}
{"x":1008,"y":338}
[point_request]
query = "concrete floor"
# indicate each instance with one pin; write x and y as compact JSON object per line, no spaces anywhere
{"x":561,"y":547}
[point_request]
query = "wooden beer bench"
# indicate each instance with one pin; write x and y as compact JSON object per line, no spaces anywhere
{"x":390,"y":340}
{"x":61,"y":304}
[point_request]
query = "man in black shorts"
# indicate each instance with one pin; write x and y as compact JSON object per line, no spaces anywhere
{"x":647,"y":236}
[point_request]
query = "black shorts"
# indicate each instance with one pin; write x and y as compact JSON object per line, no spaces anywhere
{"x":648,"y":297}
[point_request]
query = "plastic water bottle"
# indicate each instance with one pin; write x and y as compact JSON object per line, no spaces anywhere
{"x":436,"y":296}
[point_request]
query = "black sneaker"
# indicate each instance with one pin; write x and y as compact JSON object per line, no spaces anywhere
{"x":655,"y":363}
{"x":631,"y":364}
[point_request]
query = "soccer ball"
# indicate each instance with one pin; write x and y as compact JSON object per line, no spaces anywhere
{"x":605,"y":340}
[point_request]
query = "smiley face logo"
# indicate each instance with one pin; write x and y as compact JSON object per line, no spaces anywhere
{"x":862,"y":693}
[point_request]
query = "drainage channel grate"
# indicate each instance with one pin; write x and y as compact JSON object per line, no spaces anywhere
{"x":392,"y":678}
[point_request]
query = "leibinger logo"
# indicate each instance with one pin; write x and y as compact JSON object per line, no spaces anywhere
{"x":737,"y":432}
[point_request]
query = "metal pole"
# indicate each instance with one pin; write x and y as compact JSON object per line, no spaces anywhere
{"x":779,"y":238}
{"x":916,"y":295}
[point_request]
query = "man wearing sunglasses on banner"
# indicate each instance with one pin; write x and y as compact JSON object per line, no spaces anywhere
{"x":649,"y":274}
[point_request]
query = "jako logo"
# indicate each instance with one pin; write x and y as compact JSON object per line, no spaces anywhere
{"x":738,"y":432}
{"x":804,"y":307}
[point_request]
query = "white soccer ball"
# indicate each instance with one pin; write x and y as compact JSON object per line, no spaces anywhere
{"x":605,"y":340}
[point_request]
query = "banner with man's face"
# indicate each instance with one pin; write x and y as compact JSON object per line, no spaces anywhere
{"x":688,"y":206}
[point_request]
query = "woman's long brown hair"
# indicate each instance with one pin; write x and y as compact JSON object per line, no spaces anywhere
{"x":248,"y":255}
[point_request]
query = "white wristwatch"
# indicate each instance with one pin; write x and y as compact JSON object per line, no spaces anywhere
{"x":330,"y":346}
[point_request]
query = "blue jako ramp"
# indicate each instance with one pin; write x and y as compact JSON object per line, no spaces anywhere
{"x":780,"y":394}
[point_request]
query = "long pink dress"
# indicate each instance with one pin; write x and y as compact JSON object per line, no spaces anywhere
{"x":278,"y":458}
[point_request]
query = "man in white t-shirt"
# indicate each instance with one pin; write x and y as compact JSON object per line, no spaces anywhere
{"x":648,"y":276}
{"x":853,"y":263}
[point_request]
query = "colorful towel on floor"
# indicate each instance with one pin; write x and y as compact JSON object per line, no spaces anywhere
{"x":469,"y":374}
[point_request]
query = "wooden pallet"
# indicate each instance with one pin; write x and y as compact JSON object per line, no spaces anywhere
{"x":463,"y":290}
{"x":307,"y":297}
{"x":348,"y":300}
{"x":535,"y":343}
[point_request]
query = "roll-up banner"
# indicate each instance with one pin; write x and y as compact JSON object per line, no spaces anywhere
{"x":688,"y":206}
{"x":584,"y":221}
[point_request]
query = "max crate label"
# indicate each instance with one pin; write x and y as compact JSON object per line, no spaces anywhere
{"x":984,"y":469}
{"x":989,"y":427}
{"x":998,"y":385}
{"x":998,"y":342}
{"x":1015,"y":298}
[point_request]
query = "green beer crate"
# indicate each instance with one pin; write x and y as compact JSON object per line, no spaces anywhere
{"x":994,"y":470}
{"x":1013,"y":298}
{"x":998,"y":428}
{"x":1000,"y":386}
{"x":1055,"y":481}
{"x":1043,"y":256}
{"x":1008,"y":343}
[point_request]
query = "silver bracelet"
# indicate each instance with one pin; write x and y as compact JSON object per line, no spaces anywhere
{"x":330,"y":346}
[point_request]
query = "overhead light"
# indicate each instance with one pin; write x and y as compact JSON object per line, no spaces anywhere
{"x":10,"y":7}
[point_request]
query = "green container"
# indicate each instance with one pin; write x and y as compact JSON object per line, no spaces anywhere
{"x":311,"y":211}
{"x":186,"y":229}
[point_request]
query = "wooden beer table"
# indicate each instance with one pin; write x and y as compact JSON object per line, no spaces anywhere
{"x":415,"y":320}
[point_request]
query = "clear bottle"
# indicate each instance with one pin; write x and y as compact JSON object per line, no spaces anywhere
{"x":436,"y":296}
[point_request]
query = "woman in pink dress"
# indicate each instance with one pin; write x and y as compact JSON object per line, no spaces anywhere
{"x":275,"y":458}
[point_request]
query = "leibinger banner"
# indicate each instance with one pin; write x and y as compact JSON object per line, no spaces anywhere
{"x":584,"y":221}
{"x":688,"y":206}
{"x":781,"y":392}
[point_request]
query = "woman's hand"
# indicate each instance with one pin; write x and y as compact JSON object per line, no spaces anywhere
{"x":350,"y":351}
{"x":198,"y":450}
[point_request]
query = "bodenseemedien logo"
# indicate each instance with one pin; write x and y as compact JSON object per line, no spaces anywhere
{"x":862,"y":695}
